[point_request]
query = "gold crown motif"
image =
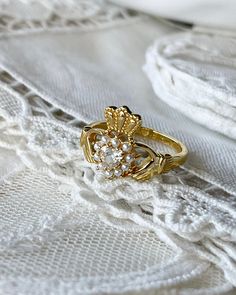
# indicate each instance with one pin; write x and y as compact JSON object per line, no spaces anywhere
{"x":121,"y":120}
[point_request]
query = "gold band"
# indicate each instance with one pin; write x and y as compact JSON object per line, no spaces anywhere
{"x":172,"y":160}
{"x":125,"y":127}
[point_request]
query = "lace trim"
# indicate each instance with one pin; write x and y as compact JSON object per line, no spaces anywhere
{"x":53,"y":16}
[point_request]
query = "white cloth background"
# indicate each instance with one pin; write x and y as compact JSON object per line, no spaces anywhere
{"x":172,"y":234}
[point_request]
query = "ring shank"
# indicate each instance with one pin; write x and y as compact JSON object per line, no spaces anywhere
{"x":180,"y":157}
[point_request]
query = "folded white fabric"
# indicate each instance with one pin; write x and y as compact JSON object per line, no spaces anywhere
{"x":195,"y":74}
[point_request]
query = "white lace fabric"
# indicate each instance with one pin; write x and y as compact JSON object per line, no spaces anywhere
{"x":67,"y":230}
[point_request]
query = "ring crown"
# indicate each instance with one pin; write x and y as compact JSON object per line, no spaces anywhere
{"x":122,"y":120}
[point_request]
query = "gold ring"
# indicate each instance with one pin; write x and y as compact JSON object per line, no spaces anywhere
{"x":112,"y":146}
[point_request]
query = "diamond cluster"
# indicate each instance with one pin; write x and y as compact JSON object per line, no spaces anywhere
{"x":113,"y":156}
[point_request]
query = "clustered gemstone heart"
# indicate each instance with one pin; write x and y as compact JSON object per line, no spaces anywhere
{"x":113,"y":156}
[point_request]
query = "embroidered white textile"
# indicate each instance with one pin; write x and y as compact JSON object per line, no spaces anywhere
{"x":64,"y":228}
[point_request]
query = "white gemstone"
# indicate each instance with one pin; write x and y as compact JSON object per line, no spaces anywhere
{"x":129,"y":158}
{"x":104,"y":139}
{"x":115,"y":142}
{"x":108,"y":173}
{"x":105,"y":149}
{"x":126,"y":147}
{"x":125,"y":167}
{"x":97,"y":146}
{"x":110,"y":156}
{"x":96,"y":157}
{"x":117,"y":172}
{"x":117,"y":156}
